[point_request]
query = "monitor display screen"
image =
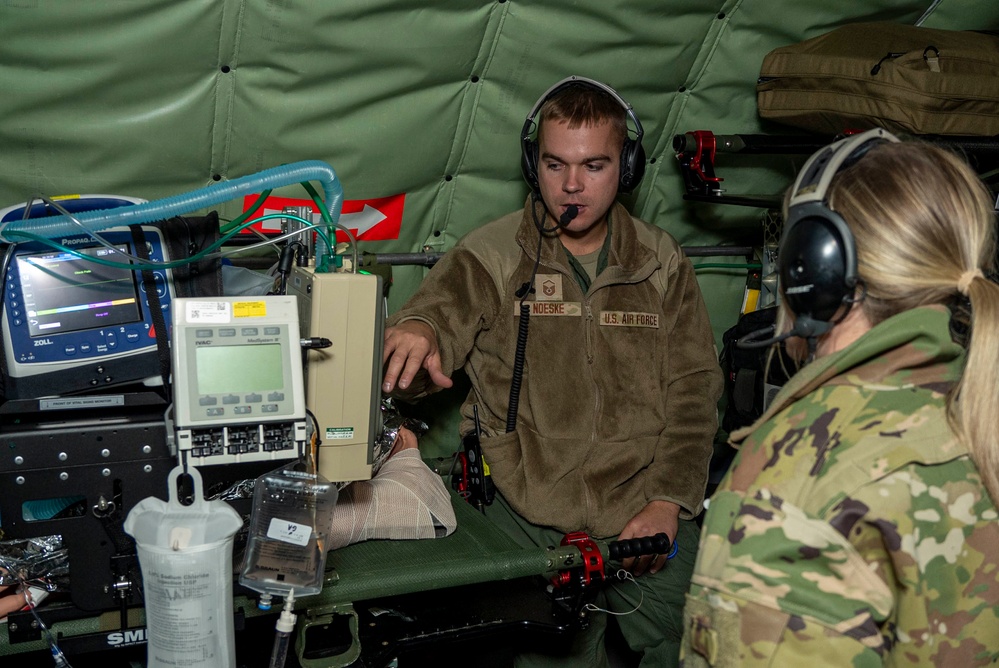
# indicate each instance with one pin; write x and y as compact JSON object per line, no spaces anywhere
{"x":66,"y":293}
{"x":239,"y":369}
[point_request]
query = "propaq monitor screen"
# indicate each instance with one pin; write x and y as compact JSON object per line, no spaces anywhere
{"x":66,"y":293}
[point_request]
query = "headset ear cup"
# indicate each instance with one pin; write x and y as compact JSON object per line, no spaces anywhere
{"x":632,"y":165}
{"x":816,"y":269}
{"x":529,"y":163}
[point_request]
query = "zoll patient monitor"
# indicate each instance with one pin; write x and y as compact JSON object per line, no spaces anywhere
{"x":81,"y":319}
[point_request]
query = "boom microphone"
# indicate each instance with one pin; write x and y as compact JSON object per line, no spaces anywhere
{"x":571,"y":212}
{"x":755,"y":339}
{"x":804,"y":327}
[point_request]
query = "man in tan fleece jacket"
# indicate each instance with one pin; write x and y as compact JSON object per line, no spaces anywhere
{"x":617,"y":404}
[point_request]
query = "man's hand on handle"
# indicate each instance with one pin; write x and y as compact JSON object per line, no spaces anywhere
{"x":656,"y":517}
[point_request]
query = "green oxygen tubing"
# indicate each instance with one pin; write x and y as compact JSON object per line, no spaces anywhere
{"x":101,"y":219}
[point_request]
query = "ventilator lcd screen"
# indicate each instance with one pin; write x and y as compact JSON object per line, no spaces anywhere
{"x":63,"y":292}
{"x":239,"y":369}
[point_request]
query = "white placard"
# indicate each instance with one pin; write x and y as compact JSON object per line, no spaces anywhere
{"x":207,"y":312}
{"x":289,"y":532}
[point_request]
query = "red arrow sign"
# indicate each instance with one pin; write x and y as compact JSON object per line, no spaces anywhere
{"x":375,"y":219}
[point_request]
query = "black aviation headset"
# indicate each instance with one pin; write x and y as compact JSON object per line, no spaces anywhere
{"x":632,"y":154}
{"x":817,"y":257}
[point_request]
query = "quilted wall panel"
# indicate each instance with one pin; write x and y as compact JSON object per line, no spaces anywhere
{"x":423,"y":99}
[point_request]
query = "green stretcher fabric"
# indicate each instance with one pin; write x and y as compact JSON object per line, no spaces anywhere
{"x":477,"y":551}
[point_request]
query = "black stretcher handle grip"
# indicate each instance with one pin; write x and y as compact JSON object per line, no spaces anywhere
{"x":636,"y":547}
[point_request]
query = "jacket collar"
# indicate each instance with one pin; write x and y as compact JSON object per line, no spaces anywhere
{"x":911,"y":348}
{"x":627,"y":260}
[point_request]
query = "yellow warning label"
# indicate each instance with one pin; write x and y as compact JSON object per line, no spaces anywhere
{"x":249,"y":309}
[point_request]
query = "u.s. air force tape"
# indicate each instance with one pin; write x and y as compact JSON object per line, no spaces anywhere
{"x":607,"y":318}
{"x":629,"y":319}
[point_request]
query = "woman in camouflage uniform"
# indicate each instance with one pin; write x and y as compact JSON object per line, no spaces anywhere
{"x":858,"y":524}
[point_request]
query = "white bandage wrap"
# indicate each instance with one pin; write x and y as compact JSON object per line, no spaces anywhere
{"x":404,"y":501}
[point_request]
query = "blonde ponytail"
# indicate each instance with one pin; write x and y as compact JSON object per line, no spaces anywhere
{"x":925,"y":233}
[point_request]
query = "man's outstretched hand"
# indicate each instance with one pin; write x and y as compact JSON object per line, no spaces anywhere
{"x":410,"y":346}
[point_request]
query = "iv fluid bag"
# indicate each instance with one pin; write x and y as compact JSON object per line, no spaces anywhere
{"x":185,"y":553}
{"x":287,"y":544}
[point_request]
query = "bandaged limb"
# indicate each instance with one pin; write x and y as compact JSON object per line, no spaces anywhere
{"x":404,"y":501}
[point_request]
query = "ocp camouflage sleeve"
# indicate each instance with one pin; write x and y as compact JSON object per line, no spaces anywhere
{"x":853,"y":528}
